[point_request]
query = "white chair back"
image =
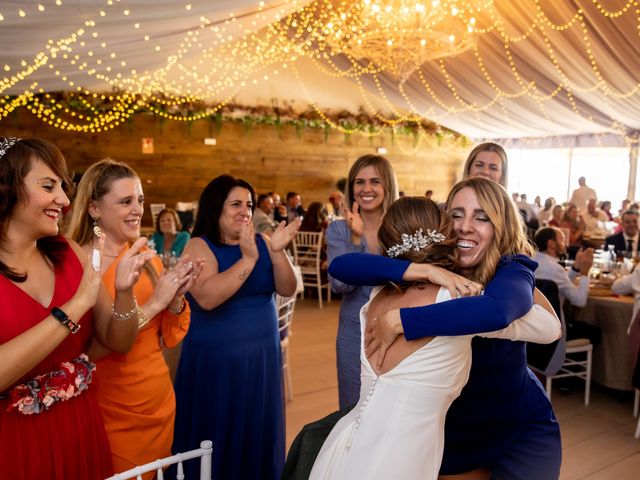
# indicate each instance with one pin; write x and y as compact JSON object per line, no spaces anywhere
{"x":307,"y":247}
{"x":571,"y":358}
{"x":204,"y":453}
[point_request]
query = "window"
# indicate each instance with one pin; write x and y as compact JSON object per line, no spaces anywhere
{"x":555,"y":172}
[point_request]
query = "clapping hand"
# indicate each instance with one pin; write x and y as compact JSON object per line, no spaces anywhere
{"x":194,"y":268}
{"x":170,"y":283}
{"x":92,"y":278}
{"x":283,"y":235}
{"x":248,"y":246}
{"x":584,"y":260}
{"x":130,"y":266}
{"x":354,"y":220}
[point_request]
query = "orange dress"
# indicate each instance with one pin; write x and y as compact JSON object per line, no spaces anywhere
{"x":134,"y":389}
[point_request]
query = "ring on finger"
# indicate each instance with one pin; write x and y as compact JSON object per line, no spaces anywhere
{"x":467,"y":285}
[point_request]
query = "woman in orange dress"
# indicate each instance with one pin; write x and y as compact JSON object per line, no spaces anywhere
{"x":134,"y":390}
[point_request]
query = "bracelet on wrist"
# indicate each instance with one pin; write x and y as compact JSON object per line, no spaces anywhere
{"x":64,"y":319}
{"x":179,"y":310}
{"x":573,"y":267}
{"x":123,"y":317}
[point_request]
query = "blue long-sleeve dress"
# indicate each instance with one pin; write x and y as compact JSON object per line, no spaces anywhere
{"x":353,"y":298}
{"x":502,"y":420}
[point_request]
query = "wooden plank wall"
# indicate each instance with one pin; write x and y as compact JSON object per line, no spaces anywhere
{"x":272,"y":159}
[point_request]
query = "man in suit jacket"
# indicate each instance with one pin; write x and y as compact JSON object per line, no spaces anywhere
{"x":627,"y":240}
{"x":581,"y":194}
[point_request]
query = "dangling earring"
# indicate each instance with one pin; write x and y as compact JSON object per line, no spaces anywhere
{"x":97,"y":231}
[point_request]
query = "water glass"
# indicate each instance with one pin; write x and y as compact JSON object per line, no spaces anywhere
{"x":169,"y":260}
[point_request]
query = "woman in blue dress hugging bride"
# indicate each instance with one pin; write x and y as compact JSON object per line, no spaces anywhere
{"x":397,"y":428}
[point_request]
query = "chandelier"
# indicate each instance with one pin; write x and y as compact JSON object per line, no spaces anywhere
{"x":400,"y":35}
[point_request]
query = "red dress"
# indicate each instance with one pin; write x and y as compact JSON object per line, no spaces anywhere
{"x":67,"y":441}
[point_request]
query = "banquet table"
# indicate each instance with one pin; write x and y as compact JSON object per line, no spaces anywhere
{"x":612,"y":365}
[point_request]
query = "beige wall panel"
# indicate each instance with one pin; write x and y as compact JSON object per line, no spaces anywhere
{"x":272,"y":159}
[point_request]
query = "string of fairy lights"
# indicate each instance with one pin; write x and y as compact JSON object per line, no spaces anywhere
{"x":364,"y":40}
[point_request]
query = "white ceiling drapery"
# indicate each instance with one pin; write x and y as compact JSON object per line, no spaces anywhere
{"x":545,"y":72}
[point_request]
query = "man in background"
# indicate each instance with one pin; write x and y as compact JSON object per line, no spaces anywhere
{"x":582,"y":194}
{"x":294,"y":206}
{"x":626,"y":242}
{"x":336,"y":199}
{"x":280,"y":209}
{"x":594,"y":220}
{"x":572,"y":285}
{"x":263,"y":221}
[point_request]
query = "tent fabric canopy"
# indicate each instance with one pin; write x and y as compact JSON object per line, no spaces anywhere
{"x":542,"y":72}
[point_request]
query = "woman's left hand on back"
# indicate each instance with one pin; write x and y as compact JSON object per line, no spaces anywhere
{"x":380,"y":333}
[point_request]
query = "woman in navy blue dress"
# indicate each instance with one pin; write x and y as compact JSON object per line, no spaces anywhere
{"x":371,"y":188}
{"x":229,"y":378}
{"x":502,"y":426}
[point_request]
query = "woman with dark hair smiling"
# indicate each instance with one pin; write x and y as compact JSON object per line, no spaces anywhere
{"x":52,"y":305}
{"x":229,"y":379}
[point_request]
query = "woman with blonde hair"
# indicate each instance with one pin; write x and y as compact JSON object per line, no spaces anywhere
{"x":52,"y":304}
{"x":134,"y":391}
{"x":371,"y":188}
{"x":397,"y":427}
{"x":488,"y":160}
{"x":502,"y":425}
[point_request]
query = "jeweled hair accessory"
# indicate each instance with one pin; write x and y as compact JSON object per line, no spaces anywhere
{"x":6,"y":144}
{"x":417,"y":242}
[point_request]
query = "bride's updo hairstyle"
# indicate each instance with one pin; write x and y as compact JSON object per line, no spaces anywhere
{"x":408,"y":215}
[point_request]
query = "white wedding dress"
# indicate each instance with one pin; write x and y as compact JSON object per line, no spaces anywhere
{"x":396,"y":430}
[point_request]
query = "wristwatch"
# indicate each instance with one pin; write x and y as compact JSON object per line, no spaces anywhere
{"x":64,"y":319}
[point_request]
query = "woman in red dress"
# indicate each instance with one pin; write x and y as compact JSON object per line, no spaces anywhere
{"x":50,"y":308}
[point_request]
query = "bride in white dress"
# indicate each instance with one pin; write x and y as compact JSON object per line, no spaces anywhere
{"x":396,"y":429}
